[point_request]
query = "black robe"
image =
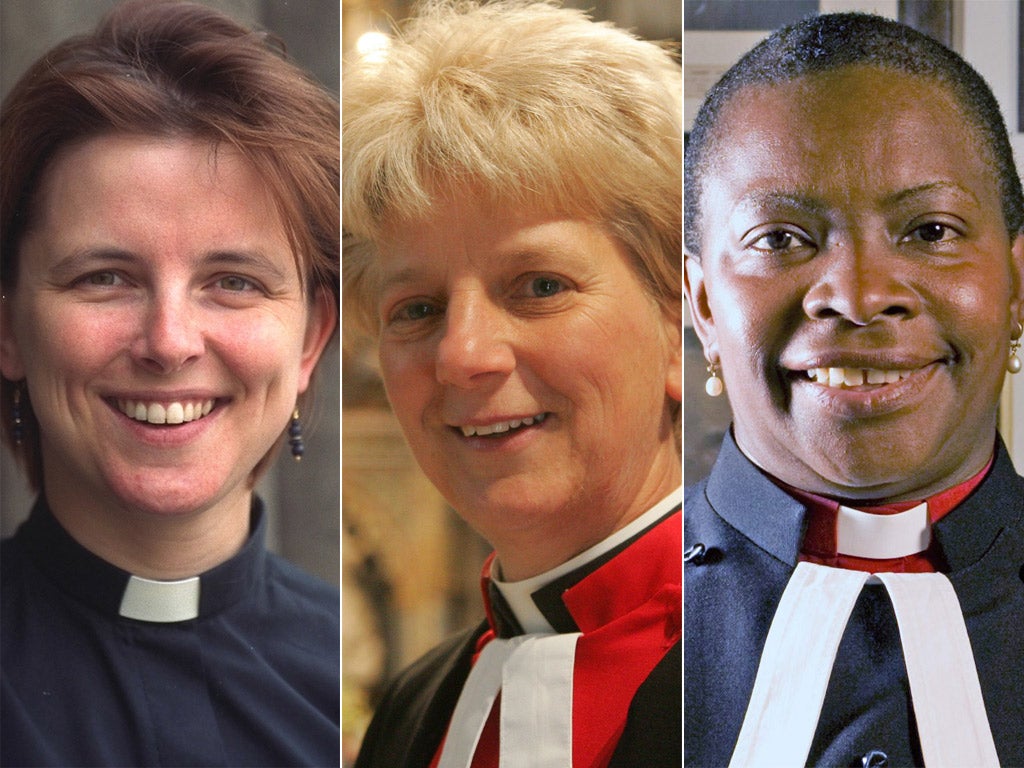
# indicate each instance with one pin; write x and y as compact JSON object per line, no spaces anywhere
{"x":412,"y":719}
{"x":751,"y":532}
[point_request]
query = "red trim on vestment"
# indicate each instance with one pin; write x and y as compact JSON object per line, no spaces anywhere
{"x":630,"y":613}
{"x":819,"y":545}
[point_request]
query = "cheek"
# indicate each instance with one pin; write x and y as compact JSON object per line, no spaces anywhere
{"x":407,"y":373}
{"x":746,"y":314}
{"x":973,"y":310}
{"x":70,"y":341}
{"x":257,"y":347}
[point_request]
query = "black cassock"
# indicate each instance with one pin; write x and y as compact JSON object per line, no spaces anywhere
{"x":252,"y":680}
{"x":751,"y":532}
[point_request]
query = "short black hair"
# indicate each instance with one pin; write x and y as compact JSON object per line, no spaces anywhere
{"x":829,"y":42}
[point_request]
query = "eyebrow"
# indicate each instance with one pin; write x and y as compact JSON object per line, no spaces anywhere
{"x":765,"y":198}
{"x":80,"y":257}
{"x":922,"y":190}
{"x":404,"y":276}
{"x":254,"y":258}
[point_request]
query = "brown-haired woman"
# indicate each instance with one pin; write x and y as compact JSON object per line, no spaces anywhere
{"x":169,"y":271}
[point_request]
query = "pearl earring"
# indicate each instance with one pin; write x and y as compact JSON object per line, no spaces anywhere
{"x":714,"y":386}
{"x":1013,"y":365}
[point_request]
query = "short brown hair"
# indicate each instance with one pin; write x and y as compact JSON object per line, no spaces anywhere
{"x":174,"y":69}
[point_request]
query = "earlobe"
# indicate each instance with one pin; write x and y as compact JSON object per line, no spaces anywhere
{"x":10,"y":356}
{"x":699,"y":306}
{"x":323,"y":317}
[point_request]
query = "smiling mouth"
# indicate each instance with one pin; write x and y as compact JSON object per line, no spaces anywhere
{"x":501,"y":427}
{"x":177,"y":412}
{"x":846,"y":378}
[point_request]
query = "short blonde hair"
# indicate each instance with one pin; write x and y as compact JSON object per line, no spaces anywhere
{"x":535,"y":106}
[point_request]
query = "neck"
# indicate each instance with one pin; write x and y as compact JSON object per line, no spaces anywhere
{"x":156,"y":546}
{"x":525,"y":554}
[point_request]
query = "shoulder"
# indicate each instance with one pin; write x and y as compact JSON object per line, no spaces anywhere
{"x":291,"y":582}
{"x":414,"y":712}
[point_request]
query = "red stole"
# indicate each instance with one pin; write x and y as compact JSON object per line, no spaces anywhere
{"x":630,"y":613}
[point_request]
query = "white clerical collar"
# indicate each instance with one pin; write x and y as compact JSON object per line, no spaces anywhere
{"x":878,"y":536}
{"x":160,"y":601}
{"x":519,"y":594}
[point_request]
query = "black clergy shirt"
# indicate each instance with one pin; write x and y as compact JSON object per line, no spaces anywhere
{"x":251,"y":681}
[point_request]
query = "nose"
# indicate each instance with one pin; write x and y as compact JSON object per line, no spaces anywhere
{"x":861,"y":282}
{"x":171,"y":334}
{"x":475,"y":345}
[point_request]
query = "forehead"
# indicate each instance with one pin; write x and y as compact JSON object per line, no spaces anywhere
{"x":845,"y":132}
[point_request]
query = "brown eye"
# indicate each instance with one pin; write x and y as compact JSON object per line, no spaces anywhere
{"x":932,"y":233}
{"x":777,"y":240}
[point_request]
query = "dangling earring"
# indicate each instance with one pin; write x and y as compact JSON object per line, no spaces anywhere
{"x":295,"y":436}
{"x":714,"y":386}
{"x":1013,"y":365}
{"x":17,"y":420}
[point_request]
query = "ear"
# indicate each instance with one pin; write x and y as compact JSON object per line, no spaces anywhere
{"x":1017,"y":283}
{"x":695,"y":287}
{"x":323,"y":317}
{"x":674,"y":374}
{"x":10,"y":353}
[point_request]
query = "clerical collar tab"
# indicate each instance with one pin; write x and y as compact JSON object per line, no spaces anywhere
{"x":160,"y":601}
{"x":877,"y":536}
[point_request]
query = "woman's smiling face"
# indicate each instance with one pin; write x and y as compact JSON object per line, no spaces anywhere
{"x":532,"y":375}
{"x":858,"y":283}
{"x":160,"y":324}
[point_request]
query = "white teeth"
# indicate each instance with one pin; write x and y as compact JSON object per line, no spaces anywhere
{"x":169,"y":413}
{"x":502,"y":426}
{"x":156,"y":414}
{"x":855,"y":377}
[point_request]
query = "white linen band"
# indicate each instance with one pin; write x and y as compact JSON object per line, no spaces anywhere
{"x":534,"y":674}
{"x":801,"y":647}
{"x":865,"y":534}
{"x":163,"y":602}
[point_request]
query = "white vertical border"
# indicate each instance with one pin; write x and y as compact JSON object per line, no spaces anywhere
{"x":990,"y":44}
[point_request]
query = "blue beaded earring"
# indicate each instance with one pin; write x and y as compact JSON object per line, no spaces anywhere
{"x":295,"y":436}
{"x":17,"y":420}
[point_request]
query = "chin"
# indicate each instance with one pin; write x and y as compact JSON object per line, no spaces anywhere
{"x":507,"y":505}
{"x":167,"y":497}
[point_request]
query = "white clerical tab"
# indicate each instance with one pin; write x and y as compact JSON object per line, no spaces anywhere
{"x":160,"y":601}
{"x":534,"y":674}
{"x":944,"y":687}
{"x":800,"y":650}
{"x":864,"y":534}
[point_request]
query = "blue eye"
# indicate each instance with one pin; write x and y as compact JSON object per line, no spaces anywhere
{"x":102,"y":279}
{"x":542,"y":287}
{"x":417,"y":310}
{"x":235,"y":283}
